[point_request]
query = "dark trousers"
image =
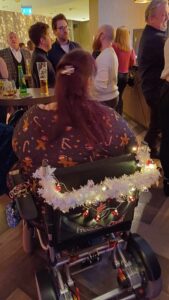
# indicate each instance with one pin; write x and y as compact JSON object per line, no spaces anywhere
{"x":151,"y":136}
{"x":3,"y":113}
{"x":164,"y":124}
{"x":7,"y":156}
{"x":164,"y":156}
{"x":122,"y":82}
{"x":111,"y":103}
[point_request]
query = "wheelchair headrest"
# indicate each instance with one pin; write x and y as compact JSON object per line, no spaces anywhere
{"x":76,"y":176}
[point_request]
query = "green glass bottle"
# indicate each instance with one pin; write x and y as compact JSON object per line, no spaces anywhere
{"x":22,"y":82}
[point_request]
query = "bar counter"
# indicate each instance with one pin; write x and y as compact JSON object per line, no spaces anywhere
{"x":135,"y":105}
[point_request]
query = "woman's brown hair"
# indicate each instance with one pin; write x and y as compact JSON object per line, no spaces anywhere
{"x":75,"y":106}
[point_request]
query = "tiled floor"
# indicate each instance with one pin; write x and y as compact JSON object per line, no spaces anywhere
{"x":151,"y":222}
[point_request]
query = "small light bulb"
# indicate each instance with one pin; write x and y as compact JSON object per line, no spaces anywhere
{"x":104,"y":188}
{"x":134,"y":149}
{"x":97,"y":218}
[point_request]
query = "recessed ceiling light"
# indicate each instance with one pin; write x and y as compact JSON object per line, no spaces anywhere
{"x":142,"y":1}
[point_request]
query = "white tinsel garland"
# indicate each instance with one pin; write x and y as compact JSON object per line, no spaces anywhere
{"x":119,"y":188}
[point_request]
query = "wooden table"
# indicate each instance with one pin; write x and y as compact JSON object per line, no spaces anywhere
{"x":33,"y":98}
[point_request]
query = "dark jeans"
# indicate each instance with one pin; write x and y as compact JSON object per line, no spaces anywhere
{"x":151,"y":136}
{"x":111,"y":103}
{"x":164,"y":156}
{"x":3,"y":113}
{"x":7,"y":156}
{"x":164,"y":124}
{"x":122,"y":82}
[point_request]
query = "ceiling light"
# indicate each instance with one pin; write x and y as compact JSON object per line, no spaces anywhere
{"x":142,"y":1}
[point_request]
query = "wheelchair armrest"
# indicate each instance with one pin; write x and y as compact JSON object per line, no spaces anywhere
{"x":24,"y":201}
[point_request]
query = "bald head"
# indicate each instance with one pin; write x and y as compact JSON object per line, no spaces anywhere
{"x":107,"y":31}
{"x":13,"y":40}
{"x":103,"y":38}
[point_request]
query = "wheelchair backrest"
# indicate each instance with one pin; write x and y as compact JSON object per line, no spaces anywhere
{"x":76,"y":176}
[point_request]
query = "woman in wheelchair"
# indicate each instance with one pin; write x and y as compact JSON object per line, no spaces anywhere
{"x":76,"y":128}
{"x":83,"y":140}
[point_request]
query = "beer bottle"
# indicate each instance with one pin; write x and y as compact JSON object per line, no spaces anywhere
{"x":22,"y":82}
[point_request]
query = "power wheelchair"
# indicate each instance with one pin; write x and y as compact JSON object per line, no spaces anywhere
{"x":76,"y":245}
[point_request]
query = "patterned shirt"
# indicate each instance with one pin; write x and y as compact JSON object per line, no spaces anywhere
{"x":35,"y":139}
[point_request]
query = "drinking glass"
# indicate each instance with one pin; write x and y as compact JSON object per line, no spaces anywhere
{"x":14,"y":87}
{"x":43,"y":77}
{"x":9,"y":88}
{"x":1,"y":86}
{"x":28,"y":67}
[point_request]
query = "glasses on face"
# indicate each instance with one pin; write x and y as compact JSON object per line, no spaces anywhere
{"x":62,"y":28}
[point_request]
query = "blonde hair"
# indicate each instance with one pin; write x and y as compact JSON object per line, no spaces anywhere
{"x":152,"y":7}
{"x":122,"y":38}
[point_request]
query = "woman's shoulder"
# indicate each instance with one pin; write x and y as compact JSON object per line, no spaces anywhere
{"x":42,"y":109}
{"x":105,"y":111}
{"x":38,"y":112}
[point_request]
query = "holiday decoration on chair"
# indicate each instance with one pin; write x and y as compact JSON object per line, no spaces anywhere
{"x":105,"y":203}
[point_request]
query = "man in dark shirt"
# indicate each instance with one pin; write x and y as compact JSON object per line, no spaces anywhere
{"x":39,"y":35}
{"x":62,"y":44}
{"x":151,"y":64}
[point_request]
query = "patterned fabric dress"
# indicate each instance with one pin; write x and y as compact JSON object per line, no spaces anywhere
{"x":35,"y":139}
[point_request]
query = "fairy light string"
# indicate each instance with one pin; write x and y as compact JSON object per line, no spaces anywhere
{"x":124,"y":189}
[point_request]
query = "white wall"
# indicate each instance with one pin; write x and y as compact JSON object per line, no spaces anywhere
{"x":121,"y":12}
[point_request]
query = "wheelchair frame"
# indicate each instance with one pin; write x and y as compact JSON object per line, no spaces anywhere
{"x":138,"y":270}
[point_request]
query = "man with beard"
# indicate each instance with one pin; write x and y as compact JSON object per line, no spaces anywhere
{"x":62,"y":44}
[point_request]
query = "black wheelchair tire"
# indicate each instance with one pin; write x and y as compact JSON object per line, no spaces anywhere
{"x":142,"y":251}
{"x":45,"y":286}
{"x":154,"y":288}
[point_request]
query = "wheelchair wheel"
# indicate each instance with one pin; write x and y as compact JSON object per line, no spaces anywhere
{"x":148,"y":264}
{"x":45,"y":286}
{"x":153,"y":288}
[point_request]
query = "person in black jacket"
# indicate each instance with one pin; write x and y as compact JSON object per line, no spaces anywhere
{"x":62,"y":44}
{"x":164,"y":121}
{"x":39,"y":35}
{"x":151,"y":64}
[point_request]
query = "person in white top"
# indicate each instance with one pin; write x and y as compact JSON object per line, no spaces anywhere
{"x":105,"y":81}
